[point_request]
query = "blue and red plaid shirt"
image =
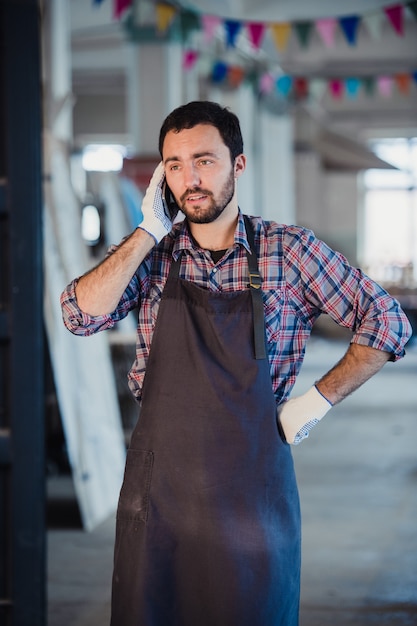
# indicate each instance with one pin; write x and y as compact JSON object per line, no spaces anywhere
{"x":302,"y":278}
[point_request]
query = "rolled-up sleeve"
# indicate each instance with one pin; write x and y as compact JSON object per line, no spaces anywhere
{"x":353,"y":299}
{"x":78,"y":322}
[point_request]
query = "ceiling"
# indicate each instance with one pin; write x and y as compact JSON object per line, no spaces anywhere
{"x":98,"y":58}
{"x":284,"y":10}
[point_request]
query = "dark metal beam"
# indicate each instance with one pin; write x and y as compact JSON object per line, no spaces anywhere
{"x":23,"y":597}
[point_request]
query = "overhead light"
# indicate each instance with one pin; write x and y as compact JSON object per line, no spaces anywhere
{"x":103,"y":158}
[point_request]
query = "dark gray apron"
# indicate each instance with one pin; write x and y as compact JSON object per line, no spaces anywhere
{"x":208,"y":523}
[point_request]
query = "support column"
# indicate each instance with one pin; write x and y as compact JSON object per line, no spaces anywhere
{"x":155,"y":87}
{"x":60,"y":71}
{"x":276,"y":168}
{"x":133,"y":100}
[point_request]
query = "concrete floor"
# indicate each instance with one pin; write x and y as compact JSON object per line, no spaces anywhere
{"x":357,"y":476}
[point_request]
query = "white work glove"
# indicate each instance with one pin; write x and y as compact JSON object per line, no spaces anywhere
{"x":299,"y":415}
{"x":157,"y":220}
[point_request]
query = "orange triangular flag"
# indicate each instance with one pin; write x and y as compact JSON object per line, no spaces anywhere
{"x":281,"y":34}
{"x":164,"y":16}
{"x":403,"y":82}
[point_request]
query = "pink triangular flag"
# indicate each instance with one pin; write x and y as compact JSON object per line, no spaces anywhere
{"x":256,"y":32}
{"x":210,"y":24}
{"x":385,"y":84}
{"x":189,"y":58}
{"x":336,"y":88}
{"x":326,"y":29}
{"x":266,"y":83}
{"x":395,"y":16}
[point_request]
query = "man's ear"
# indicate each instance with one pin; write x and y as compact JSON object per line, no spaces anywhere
{"x":240,"y":165}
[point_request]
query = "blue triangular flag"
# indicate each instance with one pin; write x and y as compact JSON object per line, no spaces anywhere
{"x":349,"y":25}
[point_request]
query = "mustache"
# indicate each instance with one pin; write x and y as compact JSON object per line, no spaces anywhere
{"x":190,"y":192}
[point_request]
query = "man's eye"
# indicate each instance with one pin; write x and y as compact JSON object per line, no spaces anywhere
{"x":205,"y":162}
{"x":174,"y":168}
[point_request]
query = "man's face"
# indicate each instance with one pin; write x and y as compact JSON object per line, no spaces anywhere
{"x":199,"y":172}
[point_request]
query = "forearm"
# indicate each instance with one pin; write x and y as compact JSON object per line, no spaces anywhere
{"x":99,"y":291}
{"x":355,"y":368}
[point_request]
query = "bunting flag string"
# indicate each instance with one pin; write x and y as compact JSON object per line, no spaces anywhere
{"x":296,"y":88}
{"x":167,"y":15}
{"x":280,"y":31}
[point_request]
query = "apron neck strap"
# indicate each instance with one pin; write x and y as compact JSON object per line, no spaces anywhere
{"x":255,"y":284}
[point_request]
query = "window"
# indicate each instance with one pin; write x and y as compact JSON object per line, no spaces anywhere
{"x":390,"y":215}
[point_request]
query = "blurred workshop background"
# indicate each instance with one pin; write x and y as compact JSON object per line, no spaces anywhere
{"x":326,"y":92}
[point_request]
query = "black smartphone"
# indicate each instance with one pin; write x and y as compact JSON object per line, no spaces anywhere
{"x":169,"y":200}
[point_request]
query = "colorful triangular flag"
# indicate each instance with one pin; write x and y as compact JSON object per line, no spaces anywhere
{"x":385,"y":85}
{"x":219,"y":72}
{"x":165,"y":13}
{"x":283,"y":85}
{"x":373,"y":22}
{"x":300,"y":87}
{"x":120,"y":7}
{"x":266,"y":83}
{"x":303,"y":31}
{"x":281,"y":34}
{"x":349,"y":26}
{"x":352,"y":87}
{"x":412,"y":6}
{"x":256,"y":32}
{"x":317,"y":88}
{"x":336,"y":88}
{"x":144,"y":13}
{"x":232,"y":28}
{"x":189,"y":22}
{"x":403,"y":83}
{"x":210,"y":24}
{"x":235,"y":75}
{"x":326,"y":29}
{"x":189,"y":59}
{"x":369,"y":85}
{"x":395,"y":15}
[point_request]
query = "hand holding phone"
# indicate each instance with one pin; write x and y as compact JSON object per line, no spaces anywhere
{"x":157,"y":212}
{"x":171,"y":206}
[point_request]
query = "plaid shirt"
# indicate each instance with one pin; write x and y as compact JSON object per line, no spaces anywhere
{"x":302,"y":278}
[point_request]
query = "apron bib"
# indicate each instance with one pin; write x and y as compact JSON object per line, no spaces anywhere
{"x":208,"y":522}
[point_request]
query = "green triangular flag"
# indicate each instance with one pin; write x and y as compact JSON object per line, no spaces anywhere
{"x":189,"y":21}
{"x":369,"y":85}
{"x":303,"y":31}
{"x":413,"y":7}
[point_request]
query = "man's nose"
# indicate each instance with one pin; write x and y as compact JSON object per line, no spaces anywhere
{"x":191,"y":177}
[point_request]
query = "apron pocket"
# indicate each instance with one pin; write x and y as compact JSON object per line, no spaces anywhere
{"x":134,"y":495}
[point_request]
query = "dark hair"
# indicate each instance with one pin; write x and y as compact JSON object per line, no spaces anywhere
{"x":205,"y":112}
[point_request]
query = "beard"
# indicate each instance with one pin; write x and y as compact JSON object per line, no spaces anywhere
{"x":198,"y":215}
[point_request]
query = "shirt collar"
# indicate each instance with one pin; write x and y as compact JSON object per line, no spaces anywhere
{"x":184,"y":241}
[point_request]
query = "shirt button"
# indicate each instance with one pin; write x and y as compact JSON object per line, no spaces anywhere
{"x":214,"y":270}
